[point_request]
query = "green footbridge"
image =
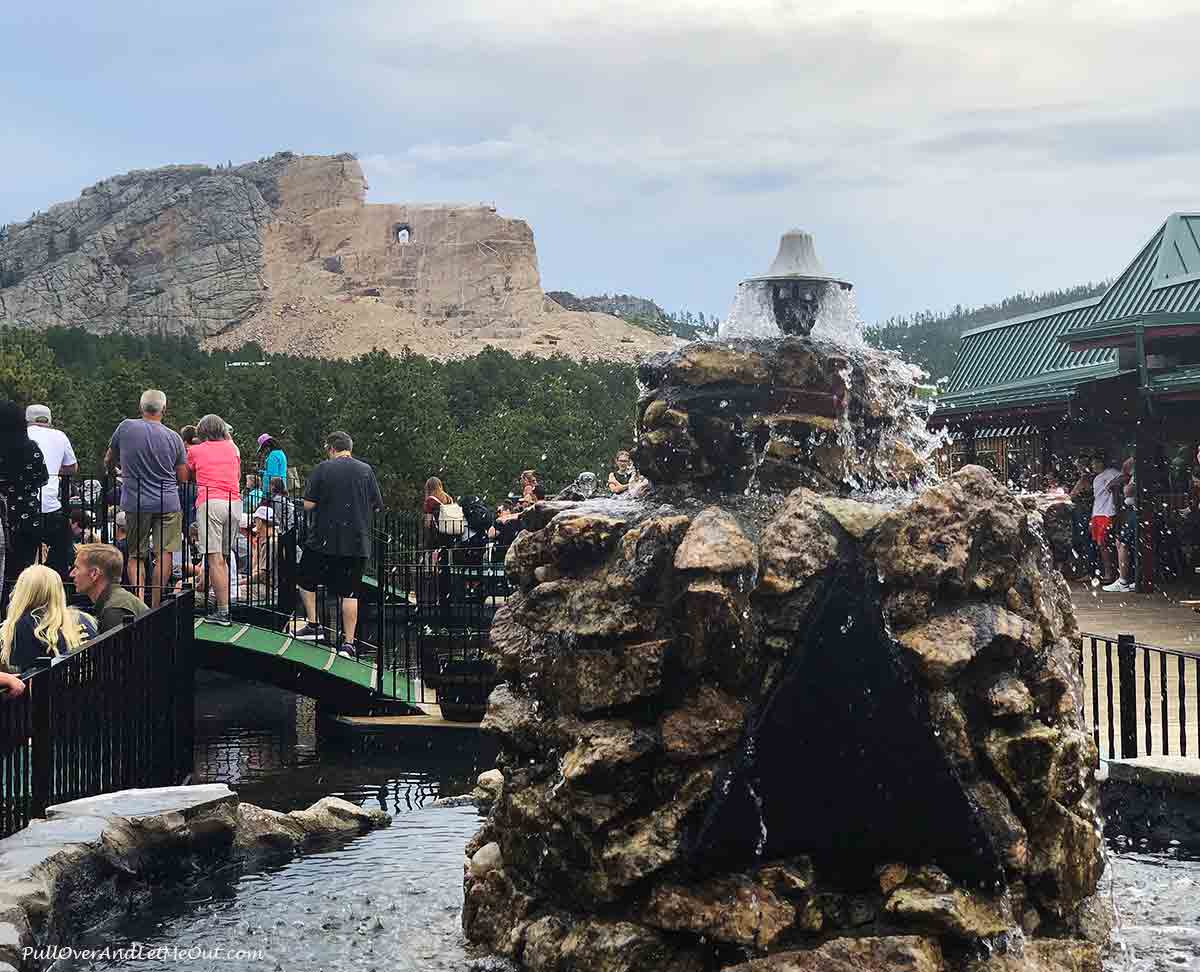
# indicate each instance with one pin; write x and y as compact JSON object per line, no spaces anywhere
{"x":344,"y":685}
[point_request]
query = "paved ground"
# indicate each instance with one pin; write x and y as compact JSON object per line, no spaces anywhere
{"x":1159,"y":620}
{"x":1153,"y":619}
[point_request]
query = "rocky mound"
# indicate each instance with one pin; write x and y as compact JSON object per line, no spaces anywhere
{"x":834,"y":737}
{"x":286,"y":252}
{"x":750,"y":722}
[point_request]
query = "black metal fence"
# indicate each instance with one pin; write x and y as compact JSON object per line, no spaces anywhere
{"x":118,"y":713}
{"x":436,"y":598}
{"x":1140,"y":700}
{"x":425,"y":603}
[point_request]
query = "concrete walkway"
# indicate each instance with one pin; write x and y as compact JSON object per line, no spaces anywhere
{"x":1158,"y":619}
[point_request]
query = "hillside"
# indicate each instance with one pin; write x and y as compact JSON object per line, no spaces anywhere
{"x":931,"y":338}
{"x":286,"y":252}
{"x":639,"y":311}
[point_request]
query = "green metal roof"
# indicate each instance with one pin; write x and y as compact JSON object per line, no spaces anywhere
{"x":1026,"y":360}
{"x":1111,"y":332}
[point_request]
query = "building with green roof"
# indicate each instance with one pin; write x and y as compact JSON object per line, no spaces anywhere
{"x":1119,"y":373}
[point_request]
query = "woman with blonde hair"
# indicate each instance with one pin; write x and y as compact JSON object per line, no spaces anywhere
{"x":39,"y":622}
{"x":435,"y":498}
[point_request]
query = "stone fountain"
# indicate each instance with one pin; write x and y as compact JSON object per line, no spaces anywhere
{"x":754,"y":722}
{"x":789,"y":297}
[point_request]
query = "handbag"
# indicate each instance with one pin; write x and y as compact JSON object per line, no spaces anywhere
{"x":450,"y":520}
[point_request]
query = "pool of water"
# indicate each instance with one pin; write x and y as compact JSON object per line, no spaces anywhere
{"x":388,"y":900}
{"x":1157,"y":899}
{"x":391,"y":900}
{"x":264,"y":743}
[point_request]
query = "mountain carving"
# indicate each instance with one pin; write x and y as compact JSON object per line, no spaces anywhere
{"x":286,"y":252}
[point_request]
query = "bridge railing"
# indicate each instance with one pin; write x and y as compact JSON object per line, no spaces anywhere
{"x":116,"y":714}
{"x":1140,"y":700}
{"x":425,"y":604}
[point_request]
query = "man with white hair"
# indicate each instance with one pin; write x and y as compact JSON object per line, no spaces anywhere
{"x":153,"y":463}
{"x":60,"y":459}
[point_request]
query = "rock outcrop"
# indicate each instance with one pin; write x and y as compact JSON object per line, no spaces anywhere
{"x":774,"y":415}
{"x":96,"y":859}
{"x":809,"y":733}
{"x":286,"y":252}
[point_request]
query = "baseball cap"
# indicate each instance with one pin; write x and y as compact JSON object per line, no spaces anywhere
{"x":265,"y":513}
{"x":263,"y":438}
{"x":38,"y":413}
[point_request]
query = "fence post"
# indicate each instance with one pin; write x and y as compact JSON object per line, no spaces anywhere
{"x":381,"y":578}
{"x":41,"y":744}
{"x":184,"y":687}
{"x":1127,"y":672}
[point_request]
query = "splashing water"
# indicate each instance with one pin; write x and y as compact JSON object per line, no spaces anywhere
{"x":752,"y":314}
{"x":838,"y":319}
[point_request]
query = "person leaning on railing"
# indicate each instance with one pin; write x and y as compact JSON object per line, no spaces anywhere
{"x":97,"y":576}
{"x":39,"y":623}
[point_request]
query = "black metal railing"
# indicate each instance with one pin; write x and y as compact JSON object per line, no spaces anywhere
{"x":118,"y":713}
{"x":424,"y":608}
{"x":1140,"y":700}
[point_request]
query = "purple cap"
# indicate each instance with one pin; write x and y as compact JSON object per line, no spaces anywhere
{"x":263,"y":438}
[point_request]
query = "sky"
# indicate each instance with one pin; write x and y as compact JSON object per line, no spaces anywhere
{"x":941,"y":153}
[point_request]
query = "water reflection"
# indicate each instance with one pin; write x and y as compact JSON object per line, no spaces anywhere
{"x":264,"y":743}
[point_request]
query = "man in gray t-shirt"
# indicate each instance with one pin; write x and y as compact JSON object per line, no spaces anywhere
{"x":152,"y":462}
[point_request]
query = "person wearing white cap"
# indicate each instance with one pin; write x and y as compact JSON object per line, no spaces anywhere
{"x":60,"y":461}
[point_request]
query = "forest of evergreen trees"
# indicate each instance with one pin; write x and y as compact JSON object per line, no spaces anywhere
{"x":475,"y":423}
{"x":931,"y":338}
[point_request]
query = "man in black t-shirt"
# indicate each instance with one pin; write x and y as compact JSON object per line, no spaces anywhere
{"x":341,"y":494}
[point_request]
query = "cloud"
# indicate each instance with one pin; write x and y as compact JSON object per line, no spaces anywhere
{"x":941,"y":152}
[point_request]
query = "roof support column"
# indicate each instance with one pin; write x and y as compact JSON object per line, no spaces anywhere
{"x":1145,"y":455}
{"x":1046,"y":450}
{"x":969,"y":454}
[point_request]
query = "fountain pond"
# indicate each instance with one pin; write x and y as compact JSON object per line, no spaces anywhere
{"x":317,"y":912}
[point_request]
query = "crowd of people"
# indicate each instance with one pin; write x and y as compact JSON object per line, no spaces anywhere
{"x":79,"y":556}
{"x":168,"y":495}
{"x":468,"y":525}
{"x":1104,"y":495}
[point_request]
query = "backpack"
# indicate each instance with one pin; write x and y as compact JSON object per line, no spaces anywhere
{"x":450,"y":519}
{"x":476,"y":513}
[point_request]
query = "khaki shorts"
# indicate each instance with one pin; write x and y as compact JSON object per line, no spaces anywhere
{"x":153,"y":532}
{"x":217,"y":522}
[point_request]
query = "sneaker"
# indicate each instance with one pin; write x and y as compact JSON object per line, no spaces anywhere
{"x":219,"y":617}
{"x":347,"y":651}
{"x":1119,"y":587}
{"x":310,"y":632}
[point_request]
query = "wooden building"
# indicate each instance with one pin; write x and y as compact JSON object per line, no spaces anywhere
{"x":1118,"y":373}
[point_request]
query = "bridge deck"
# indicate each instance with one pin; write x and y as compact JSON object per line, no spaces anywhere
{"x":307,"y":667}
